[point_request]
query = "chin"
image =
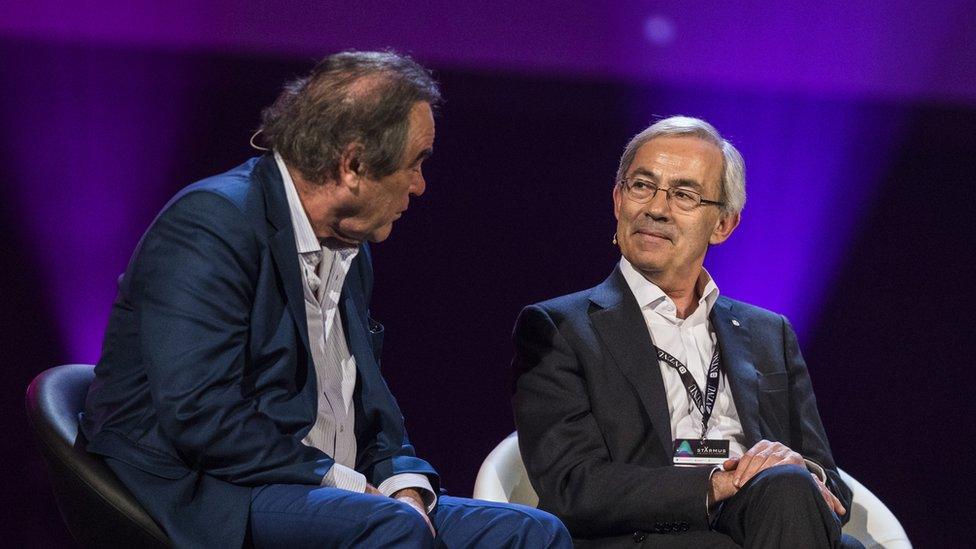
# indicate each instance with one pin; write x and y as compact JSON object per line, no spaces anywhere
{"x":381,"y":235}
{"x":645,"y":262}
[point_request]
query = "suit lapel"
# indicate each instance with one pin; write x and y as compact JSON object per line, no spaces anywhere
{"x":284,"y":251}
{"x":735,"y":342}
{"x":359,"y":345}
{"x":621,"y":326}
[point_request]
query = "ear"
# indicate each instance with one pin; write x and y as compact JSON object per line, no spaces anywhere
{"x":351,"y":167}
{"x":724,"y":227}
{"x":617,"y":197}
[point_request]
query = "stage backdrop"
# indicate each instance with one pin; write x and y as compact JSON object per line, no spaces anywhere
{"x":858,"y":227}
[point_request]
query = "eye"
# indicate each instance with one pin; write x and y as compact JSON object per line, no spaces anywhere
{"x":640,"y":185}
{"x":684,"y":194}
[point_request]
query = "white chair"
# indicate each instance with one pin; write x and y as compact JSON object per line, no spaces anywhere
{"x":503,"y":478}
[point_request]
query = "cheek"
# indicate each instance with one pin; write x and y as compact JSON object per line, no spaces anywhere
{"x":625,"y":213}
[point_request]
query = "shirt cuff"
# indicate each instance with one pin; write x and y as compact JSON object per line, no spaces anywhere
{"x":342,"y":477}
{"x":816,"y":469}
{"x":396,"y":483}
{"x":710,"y":509}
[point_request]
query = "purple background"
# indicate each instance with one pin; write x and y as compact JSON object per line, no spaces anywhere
{"x":857,"y":122}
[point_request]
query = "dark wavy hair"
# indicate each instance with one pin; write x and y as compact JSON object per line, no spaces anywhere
{"x":350,"y":97}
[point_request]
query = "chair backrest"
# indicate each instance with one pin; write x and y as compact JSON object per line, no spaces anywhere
{"x":502,"y":477}
{"x":872,"y":523}
{"x":98,"y":510}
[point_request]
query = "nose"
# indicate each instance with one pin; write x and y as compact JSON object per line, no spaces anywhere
{"x":659,"y":207}
{"x":418,"y":186}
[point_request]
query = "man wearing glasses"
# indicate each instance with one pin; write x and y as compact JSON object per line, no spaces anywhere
{"x":653,"y":411}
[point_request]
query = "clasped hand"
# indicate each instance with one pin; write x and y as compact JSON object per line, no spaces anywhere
{"x":411,"y":497}
{"x":736,"y":472}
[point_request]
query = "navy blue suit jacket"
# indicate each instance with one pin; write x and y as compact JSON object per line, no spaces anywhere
{"x":592,"y":410}
{"x":206,"y":387}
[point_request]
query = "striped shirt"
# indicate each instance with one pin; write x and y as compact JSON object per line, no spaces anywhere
{"x":324,"y":272}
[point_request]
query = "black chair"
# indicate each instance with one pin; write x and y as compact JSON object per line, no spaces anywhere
{"x":98,"y":509}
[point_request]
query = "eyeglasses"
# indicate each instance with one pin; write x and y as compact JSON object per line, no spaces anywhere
{"x":643,"y":191}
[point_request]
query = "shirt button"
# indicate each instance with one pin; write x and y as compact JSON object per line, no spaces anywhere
{"x":342,"y":428}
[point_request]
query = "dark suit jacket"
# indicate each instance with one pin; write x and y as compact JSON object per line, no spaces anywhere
{"x":592,"y":414}
{"x":206,"y":386}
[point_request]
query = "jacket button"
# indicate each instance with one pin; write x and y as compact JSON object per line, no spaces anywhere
{"x":639,"y":536}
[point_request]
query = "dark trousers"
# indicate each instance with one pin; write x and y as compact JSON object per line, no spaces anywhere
{"x":297,"y":516}
{"x":781,"y":507}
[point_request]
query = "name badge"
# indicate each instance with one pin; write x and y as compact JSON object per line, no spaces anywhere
{"x":688,"y":451}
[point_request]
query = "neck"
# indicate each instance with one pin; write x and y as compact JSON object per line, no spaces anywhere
{"x":685,"y":300}
{"x":322,"y":206}
{"x":683,"y":291}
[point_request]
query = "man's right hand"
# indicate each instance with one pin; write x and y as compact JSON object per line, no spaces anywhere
{"x":722,"y":485}
{"x":371,"y":490}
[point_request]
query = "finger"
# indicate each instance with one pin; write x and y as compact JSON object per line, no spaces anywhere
{"x":785,"y":456}
{"x":761,"y":453}
{"x":777,"y":457}
{"x":790,"y":457}
{"x":834,"y":503}
{"x":829,"y":497}
{"x":758,"y":463}
{"x":730,"y":464}
{"x":746,"y":460}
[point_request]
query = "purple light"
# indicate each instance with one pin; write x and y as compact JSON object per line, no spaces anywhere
{"x":811,"y":172}
{"x":91,"y":173}
{"x":98,"y":168}
{"x":897,"y":49}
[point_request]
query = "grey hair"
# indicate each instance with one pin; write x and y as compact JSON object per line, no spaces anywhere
{"x":351,"y":97}
{"x":734,"y":169}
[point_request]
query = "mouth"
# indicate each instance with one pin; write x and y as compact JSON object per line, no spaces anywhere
{"x":653,"y":235}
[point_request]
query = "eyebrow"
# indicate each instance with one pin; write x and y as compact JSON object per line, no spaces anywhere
{"x":423,"y":155}
{"x":690,"y":183}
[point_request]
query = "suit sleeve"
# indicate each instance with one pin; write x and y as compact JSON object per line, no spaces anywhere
{"x":808,"y":437}
{"x":594,"y":493}
{"x":194,"y":286}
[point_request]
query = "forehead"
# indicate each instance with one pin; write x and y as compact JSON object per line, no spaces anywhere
{"x":684,"y":157}
{"x":421,"y":125}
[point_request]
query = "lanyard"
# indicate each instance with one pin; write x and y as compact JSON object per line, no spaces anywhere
{"x":705,"y":404}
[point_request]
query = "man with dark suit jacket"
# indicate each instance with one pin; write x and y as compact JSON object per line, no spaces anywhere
{"x":239,"y":395}
{"x":622,"y":386}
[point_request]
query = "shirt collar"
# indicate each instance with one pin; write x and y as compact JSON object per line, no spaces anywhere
{"x":649,"y":295}
{"x":305,"y":239}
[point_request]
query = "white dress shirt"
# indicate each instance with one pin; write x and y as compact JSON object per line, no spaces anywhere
{"x":691,"y":340}
{"x":324,"y":272}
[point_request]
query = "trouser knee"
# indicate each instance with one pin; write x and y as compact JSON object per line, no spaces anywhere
{"x":784,"y":484}
{"x":548,"y":530}
{"x":539,"y":529}
{"x":396,"y":523}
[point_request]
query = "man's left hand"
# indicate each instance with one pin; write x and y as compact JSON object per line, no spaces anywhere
{"x":763,"y":455}
{"x":412,"y":497}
